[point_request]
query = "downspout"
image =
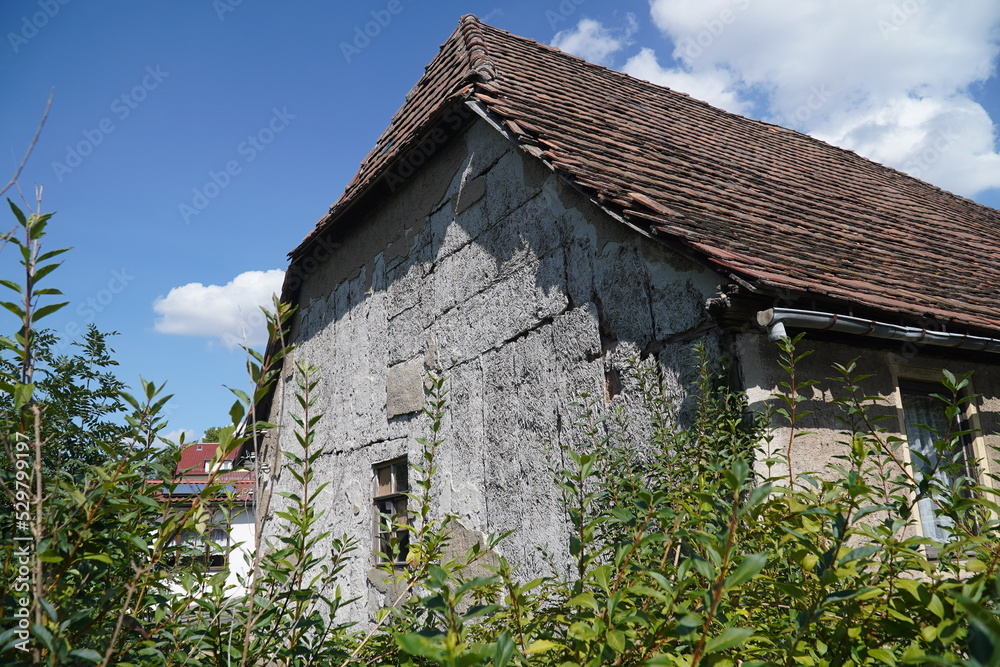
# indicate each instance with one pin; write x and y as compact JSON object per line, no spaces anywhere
{"x":776,"y":319}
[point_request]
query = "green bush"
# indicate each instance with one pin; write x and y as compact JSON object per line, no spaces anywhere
{"x":686,"y":549}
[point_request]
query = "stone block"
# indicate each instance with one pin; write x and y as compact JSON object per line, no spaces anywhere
{"x":404,"y":388}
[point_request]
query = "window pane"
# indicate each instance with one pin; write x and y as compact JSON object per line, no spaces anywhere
{"x":404,"y":545}
{"x":384,"y":476}
{"x":921,"y":410}
{"x":402,"y":483}
{"x":399,"y":509}
{"x":219,"y":536}
{"x":390,"y":511}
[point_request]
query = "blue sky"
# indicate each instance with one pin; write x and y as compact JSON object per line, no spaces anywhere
{"x":191,"y":145}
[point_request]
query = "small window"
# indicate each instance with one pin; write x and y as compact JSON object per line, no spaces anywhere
{"x":210,"y":548}
{"x":389,"y":485}
{"x":226,"y":465}
{"x":927,"y":427}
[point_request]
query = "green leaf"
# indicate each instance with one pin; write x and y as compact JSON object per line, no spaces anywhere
{"x":47,"y":310}
{"x":36,"y":226}
{"x":936,"y":607}
{"x":103,"y":558}
{"x":10,"y":284}
{"x":50,"y":610}
{"x":50,"y":254}
{"x":240,"y":394}
{"x":17,"y":213}
{"x":43,"y":633}
{"x":87,"y":654}
{"x":41,"y":272}
{"x":22,"y":395}
{"x":730,"y":638}
{"x":582,"y":631}
{"x":859,"y":552}
{"x":14,"y":308}
{"x":415,"y":644}
{"x":504,"y":650}
{"x":622,"y":514}
{"x":602,"y":575}
{"x":540,"y":646}
{"x":748,"y":568}
{"x":616,"y":640}
{"x":975,"y":565}
{"x":585,"y":599}
{"x":237,"y":412}
{"x":883,"y":655}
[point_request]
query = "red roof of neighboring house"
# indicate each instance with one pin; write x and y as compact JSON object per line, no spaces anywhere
{"x":773,"y":207}
{"x":194,"y":456}
{"x":191,"y":471}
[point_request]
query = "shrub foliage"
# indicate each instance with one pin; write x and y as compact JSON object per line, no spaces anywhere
{"x":686,"y":548}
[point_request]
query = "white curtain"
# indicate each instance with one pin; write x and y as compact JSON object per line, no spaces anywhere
{"x":921,"y":408}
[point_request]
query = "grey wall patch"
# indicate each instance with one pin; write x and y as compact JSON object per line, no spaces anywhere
{"x":404,"y":388}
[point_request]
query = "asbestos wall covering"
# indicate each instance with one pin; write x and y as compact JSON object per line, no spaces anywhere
{"x":487,"y":268}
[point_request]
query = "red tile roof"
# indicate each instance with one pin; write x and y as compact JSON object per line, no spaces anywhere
{"x":195,"y":455}
{"x":774,"y":207}
{"x":191,"y":472}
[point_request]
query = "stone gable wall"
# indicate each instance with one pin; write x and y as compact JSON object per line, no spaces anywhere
{"x":489,"y":269}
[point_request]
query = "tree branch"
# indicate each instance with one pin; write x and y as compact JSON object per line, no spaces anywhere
{"x":31,"y":146}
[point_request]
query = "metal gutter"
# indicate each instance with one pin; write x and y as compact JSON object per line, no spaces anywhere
{"x":776,"y":319}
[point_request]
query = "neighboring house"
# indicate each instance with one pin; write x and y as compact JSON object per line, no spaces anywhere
{"x":529,"y":222}
{"x":230,"y":538}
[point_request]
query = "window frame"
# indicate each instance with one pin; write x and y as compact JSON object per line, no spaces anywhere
{"x":922,"y":379}
{"x":214,"y":553}
{"x":385,"y":493}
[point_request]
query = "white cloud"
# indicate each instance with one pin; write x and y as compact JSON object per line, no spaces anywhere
{"x":593,"y":42}
{"x":890,"y":80}
{"x":228,"y":312}
{"x":714,"y":87}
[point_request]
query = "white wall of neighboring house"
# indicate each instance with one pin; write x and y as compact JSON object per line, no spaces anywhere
{"x":242,"y":533}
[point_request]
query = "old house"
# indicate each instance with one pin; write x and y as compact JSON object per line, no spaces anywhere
{"x":529,"y":221}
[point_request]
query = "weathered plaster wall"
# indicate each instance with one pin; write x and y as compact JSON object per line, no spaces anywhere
{"x":487,"y":268}
{"x":811,"y":452}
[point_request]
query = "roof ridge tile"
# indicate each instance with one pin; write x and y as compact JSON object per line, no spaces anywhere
{"x":481,"y":66}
